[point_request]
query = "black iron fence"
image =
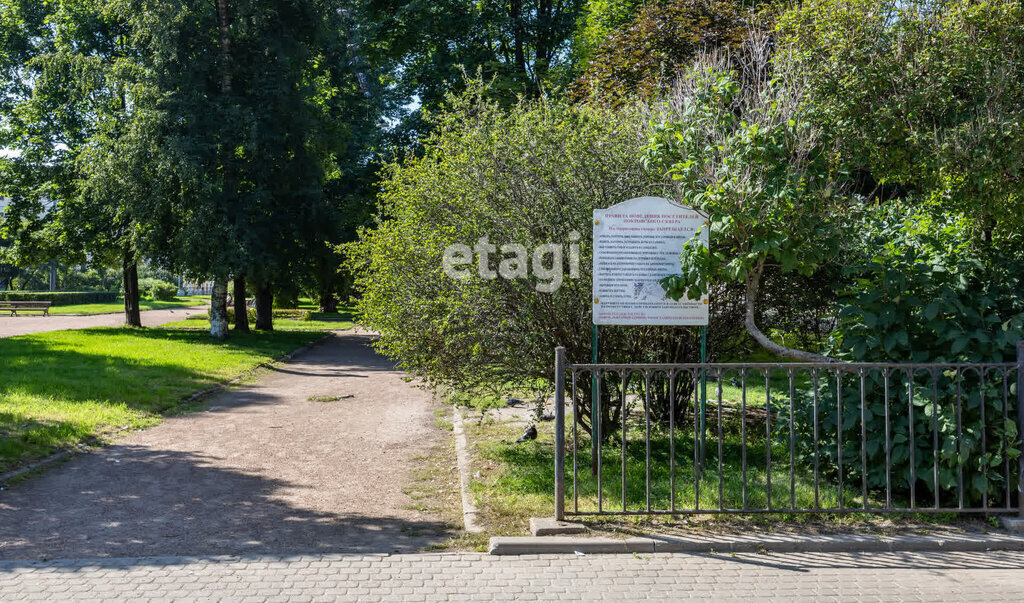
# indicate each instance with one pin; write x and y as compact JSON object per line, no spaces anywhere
{"x":789,"y":438}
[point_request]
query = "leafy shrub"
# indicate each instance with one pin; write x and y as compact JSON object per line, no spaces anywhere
{"x":530,"y":175}
{"x":161,"y":291}
{"x":922,"y":289}
{"x":61,"y":298}
{"x":150,"y":287}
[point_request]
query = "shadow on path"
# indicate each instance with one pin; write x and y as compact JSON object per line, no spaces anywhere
{"x":159,"y":502}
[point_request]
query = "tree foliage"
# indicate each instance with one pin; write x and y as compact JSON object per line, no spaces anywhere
{"x":529,"y":176}
{"x":738,"y":145}
{"x":926,"y":98}
{"x":646,"y":55}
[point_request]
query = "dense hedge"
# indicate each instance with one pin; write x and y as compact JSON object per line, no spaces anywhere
{"x":61,"y":298}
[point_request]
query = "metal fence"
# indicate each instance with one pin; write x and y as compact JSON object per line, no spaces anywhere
{"x":647,"y":439}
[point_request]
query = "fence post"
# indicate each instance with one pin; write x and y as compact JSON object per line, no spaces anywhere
{"x":559,"y":433}
{"x":1020,"y":427}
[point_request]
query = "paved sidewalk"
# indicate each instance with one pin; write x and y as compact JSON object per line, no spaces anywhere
{"x":929,"y":577}
{"x":12,"y":326}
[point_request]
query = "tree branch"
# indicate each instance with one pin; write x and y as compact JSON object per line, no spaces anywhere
{"x":753,"y":287}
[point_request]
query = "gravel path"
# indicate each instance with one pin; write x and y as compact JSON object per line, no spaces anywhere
{"x":264,"y":470}
{"x":11,"y":326}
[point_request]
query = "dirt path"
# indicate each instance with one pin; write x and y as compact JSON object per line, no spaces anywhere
{"x":263,"y":470}
{"x":12,"y":326}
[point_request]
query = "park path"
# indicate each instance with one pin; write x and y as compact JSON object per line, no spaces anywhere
{"x":263,"y":470}
{"x":12,"y":326}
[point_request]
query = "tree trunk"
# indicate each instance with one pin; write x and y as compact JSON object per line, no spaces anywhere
{"x":130,"y":274}
{"x":328,"y":302}
{"x":515,"y":10}
{"x":265,"y":308}
{"x":219,"y":309}
{"x":241,"y":310}
{"x":753,"y":286}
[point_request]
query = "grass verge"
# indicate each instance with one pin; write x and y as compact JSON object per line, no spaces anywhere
{"x":280,"y":324}
{"x":513,"y":482}
{"x":118,"y":306}
{"x":62,"y":388}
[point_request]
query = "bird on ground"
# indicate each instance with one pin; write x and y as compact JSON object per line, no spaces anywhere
{"x":529,"y":434}
{"x":514,"y":402}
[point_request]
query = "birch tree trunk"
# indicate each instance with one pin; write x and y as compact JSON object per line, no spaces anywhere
{"x":219,"y":309}
{"x":219,"y":297}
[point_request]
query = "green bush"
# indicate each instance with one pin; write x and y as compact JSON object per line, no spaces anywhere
{"x":161,"y":291}
{"x":922,"y":289}
{"x":62,"y":298}
{"x":530,"y":175}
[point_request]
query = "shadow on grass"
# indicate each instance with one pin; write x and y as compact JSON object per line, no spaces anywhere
{"x":530,"y":470}
{"x":133,"y":501}
{"x":54,"y":385}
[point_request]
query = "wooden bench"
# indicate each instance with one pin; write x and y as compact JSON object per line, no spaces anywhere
{"x":25,"y":306}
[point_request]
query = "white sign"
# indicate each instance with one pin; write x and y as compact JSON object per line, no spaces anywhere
{"x":636,"y":244}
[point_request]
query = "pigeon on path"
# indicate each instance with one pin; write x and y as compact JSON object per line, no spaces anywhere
{"x":529,"y":434}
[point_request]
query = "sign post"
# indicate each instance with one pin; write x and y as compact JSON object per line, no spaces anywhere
{"x":636,"y":244}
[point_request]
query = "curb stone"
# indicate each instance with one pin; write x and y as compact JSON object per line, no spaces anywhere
{"x":501,"y":545}
{"x":469,"y":510}
{"x":95,"y":441}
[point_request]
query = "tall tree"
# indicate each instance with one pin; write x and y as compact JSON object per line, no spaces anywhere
{"x":68,"y":73}
{"x":523,"y":45}
{"x":252,"y":108}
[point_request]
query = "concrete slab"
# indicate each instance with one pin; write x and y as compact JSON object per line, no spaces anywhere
{"x":537,"y":545}
{"x":851,"y":543}
{"x":1013,"y":524}
{"x":548,"y":526}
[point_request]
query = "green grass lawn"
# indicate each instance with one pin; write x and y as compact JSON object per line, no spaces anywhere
{"x":516,"y":481}
{"x":280,"y":324}
{"x":181,"y":302}
{"x":60,"y":388}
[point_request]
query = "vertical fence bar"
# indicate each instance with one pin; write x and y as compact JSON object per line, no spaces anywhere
{"x":863,"y":442}
{"x":839,"y":432}
{"x":888,"y":445}
{"x":560,"y":433}
{"x":1006,"y":437}
{"x":721,"y":375}
{"x":768,"y":436}
{"x":1020,"y":427}
{"x":959,"y":440}
{"x":817,"y":498}
{"x":743,"y":432}
{"x":623,"y":382}
{"x":935,"y":435}
{"x":595,"y":428}
{"x":696,"y":441}
{"x":672,"y":439}
{"x":984,"y":428}
{"x":792,"y":446}
{"x":647,"y":422}
{"x":911,"y":442}
{"x":575,"y":447}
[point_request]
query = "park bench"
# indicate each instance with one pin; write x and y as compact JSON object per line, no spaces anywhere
{"x":25,"y":306}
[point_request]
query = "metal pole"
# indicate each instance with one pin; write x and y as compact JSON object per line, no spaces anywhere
{"x":559,"y":433}
{"x":703,"y":392}
{"x":1020,"y":427}
{"x":595,"y":391}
